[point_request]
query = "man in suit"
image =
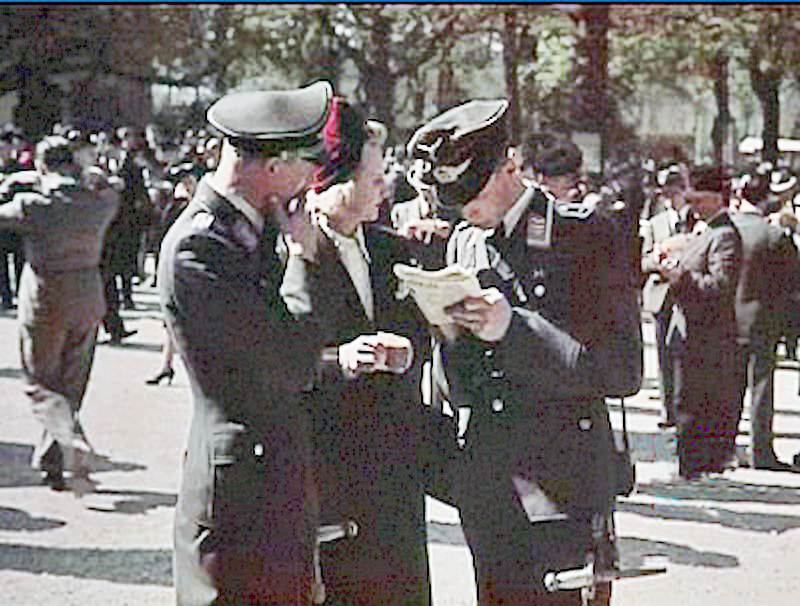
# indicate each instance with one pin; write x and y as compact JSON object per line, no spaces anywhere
{"x":246,"y":515}
{"x":656,"y":231}
{"x":60,"y":299}
{"x":532,"y":356}
{"x":702,"y":330}
{"x":769,"y":278}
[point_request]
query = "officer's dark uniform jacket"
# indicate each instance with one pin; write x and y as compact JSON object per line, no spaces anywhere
{"x":539,"y":444}
{"x":246,"y":487}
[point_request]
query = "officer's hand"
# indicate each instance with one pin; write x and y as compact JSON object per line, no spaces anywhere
{"x":425,"y":230}
{"x":487,"y":316}
{"x":299,"y":232}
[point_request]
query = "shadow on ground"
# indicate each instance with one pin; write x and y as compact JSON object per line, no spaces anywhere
{"x":15,"y":469}
{"x":10,"y":373}
{"x":132,"y":502}
{"x":154,"y":566}
{"x":717,"y":490}
{"x":722,"y":489}
{"x":131,"y":345}
{"x":632,"y":550}
{"x":16,"y":519}
{"x":129,"y":566}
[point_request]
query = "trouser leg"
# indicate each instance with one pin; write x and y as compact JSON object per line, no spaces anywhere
{"x":41,"y":352}
{"x":666,"y":374}
{"x":112,"y":322}
{"x":5,"y":280}
{"x":762,"y":405}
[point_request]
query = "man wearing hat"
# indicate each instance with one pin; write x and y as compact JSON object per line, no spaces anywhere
{"x":247,"y":510}
{"x":533,"y":357}
{"x":703,"y":279}
{"x":764,"y":302}
{"x":60,"y":298}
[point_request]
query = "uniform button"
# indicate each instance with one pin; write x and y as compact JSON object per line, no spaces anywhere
{"x":488,"y":353}
{"x":258,"y":450}
{"x":539,"y":290}
{"x":498,"y":405}
{"x":585,"y":424}
{"x":498,"y":374}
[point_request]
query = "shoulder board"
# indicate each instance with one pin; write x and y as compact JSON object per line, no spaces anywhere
{"x":574,"y":210}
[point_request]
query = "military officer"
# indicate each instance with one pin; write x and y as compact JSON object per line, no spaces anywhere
{"x":246,"y":515}
{"x":533,"y":357}
{"x":63,"y":222}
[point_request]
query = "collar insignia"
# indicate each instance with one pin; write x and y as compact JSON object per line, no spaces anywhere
{"x":449,"y":174}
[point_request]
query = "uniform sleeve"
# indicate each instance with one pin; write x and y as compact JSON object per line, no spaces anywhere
{"x":230,"y":323}
{"x":536,"y":351}
{"x":602,"y":354}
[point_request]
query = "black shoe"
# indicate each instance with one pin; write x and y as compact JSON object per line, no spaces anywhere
{"x":117,"y":339}
{"x":55,"y":480}
{"x":666,"y":424}
{"x":167,"y":374}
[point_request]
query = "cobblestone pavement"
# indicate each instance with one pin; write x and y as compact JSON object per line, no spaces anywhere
{"x":728,"y":540}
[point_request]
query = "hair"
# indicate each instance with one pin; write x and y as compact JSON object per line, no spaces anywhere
{"x":552,"y":155}
{"x":756,"y":189}
{"x":709,"y":178}
{"x":55,"y":152}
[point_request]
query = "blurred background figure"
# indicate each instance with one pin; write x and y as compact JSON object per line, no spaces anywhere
{"x":702,"y":331}
{"x":61,"y":300}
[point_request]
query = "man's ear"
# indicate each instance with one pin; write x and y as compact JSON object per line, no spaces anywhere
{"x":515,"y":156}
{"x":271,"y":164}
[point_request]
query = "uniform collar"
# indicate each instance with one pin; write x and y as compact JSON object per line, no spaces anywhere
{"x":239,"y":203}
{"x":514,"y":214}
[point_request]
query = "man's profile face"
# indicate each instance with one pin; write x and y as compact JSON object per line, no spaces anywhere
{"x":705,"y":203}
{"x":288,"y":178}
{"x":488,"y":208}
{"x":563,"y":187}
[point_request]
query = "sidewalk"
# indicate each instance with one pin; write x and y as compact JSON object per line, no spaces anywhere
{"x":730,"y":540}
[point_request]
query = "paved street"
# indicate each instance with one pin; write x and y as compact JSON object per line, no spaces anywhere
{"x":729,"y":540}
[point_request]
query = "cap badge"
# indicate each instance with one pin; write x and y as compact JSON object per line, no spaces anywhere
{"x":449,"y":174}
{"x":431,"y":149}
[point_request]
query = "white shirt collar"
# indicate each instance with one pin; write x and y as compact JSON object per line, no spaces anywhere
{"x":239,"y":203}
{"x":341,"y":241}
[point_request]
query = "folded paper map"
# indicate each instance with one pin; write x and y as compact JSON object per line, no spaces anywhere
{"x":433,"y":291}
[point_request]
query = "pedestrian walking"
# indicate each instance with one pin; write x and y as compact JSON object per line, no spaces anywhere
{"x":60,"y":300}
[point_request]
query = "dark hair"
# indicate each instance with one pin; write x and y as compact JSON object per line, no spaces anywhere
{"x":756,"y":189}
{"x":552,"y":155}
{"x":55,"y":151}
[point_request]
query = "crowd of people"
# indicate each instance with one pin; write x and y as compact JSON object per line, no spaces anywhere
{"x":326,"y":404}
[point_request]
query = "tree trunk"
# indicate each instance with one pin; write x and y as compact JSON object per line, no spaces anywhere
{"x":590,"y":111}
{"x":510,"y":69}
{"x":445,"y":85}
{"x":719,"y":133}
{"x":771,"y":109}
{"x":766,"y":84}
{"x":378,"y":79}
